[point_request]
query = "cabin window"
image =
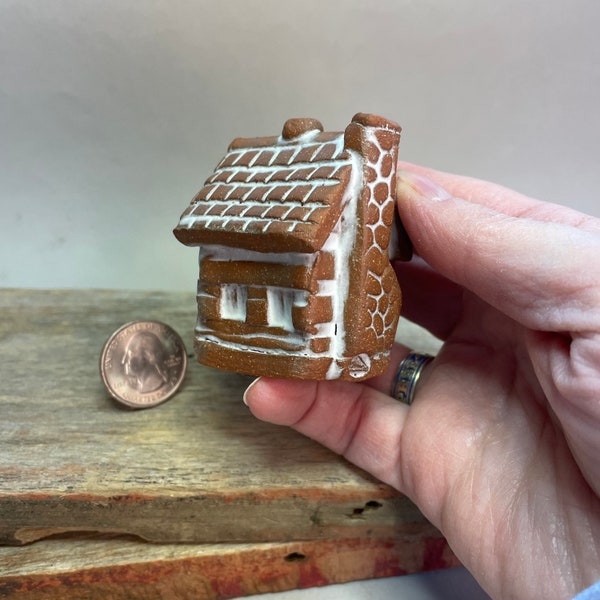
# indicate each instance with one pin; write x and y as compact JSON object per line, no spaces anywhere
{"x":233,"y":302}
{"x":280,"y":302}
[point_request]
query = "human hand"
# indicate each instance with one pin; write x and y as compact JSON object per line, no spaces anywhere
{"x":501,"y":448}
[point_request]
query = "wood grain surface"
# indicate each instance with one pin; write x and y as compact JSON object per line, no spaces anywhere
{"x":198,"y":474}
{"x":121,"y":569}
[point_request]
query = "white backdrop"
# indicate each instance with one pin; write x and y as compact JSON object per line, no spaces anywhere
{"x":113,"y":113}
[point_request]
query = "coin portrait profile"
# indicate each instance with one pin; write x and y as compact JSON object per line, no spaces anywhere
{"x":143,"y":362}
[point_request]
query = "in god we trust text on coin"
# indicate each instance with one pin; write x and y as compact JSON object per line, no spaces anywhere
{"x":143,"y":363}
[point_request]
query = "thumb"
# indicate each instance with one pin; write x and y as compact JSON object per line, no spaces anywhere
{"x":541,"y":273}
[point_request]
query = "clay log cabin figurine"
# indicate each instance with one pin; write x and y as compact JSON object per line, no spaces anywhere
{"x":294,"y":233}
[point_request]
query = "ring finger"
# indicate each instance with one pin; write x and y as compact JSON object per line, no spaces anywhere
{"x":387,"y":383}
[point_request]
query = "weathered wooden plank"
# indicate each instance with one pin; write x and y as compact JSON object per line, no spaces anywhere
{"x":198,"y":468}
{"x":123,"y":569}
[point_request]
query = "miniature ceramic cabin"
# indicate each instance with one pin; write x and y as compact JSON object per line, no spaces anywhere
{"x":295,"y":278}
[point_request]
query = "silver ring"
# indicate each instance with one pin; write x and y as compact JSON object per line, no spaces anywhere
{"x":408,"y":375}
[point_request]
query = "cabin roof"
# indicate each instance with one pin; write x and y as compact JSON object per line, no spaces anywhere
{"x":272,"y":191}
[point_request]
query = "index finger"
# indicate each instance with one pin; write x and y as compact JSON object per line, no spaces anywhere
{"x":542,"y":273}
{"x":498,"y":197}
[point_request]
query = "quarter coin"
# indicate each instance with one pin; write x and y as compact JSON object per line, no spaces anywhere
{"x":143,"y":363}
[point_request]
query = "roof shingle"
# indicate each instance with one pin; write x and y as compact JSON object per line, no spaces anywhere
{"x":271,"y":193}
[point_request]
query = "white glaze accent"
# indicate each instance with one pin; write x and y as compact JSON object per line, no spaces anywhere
{"x":305,"y":352}
{"x":233,"y":302}
{"x":248,"y":347}
{"x":279,"y":306}
{"x":340,"y":243}
{"x":227,"y":254}
{"x":327,"y":287}
{"x":303,"y":138}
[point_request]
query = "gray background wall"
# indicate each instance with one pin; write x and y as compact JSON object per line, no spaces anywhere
{"x":113,"y":113}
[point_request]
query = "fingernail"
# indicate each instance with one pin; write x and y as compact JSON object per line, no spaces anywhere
{"x":422,"y":185}
{"x":244,"y":397}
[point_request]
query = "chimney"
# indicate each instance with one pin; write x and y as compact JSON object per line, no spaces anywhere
{"x":359,"y":135}
{"x":294,"y":128}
